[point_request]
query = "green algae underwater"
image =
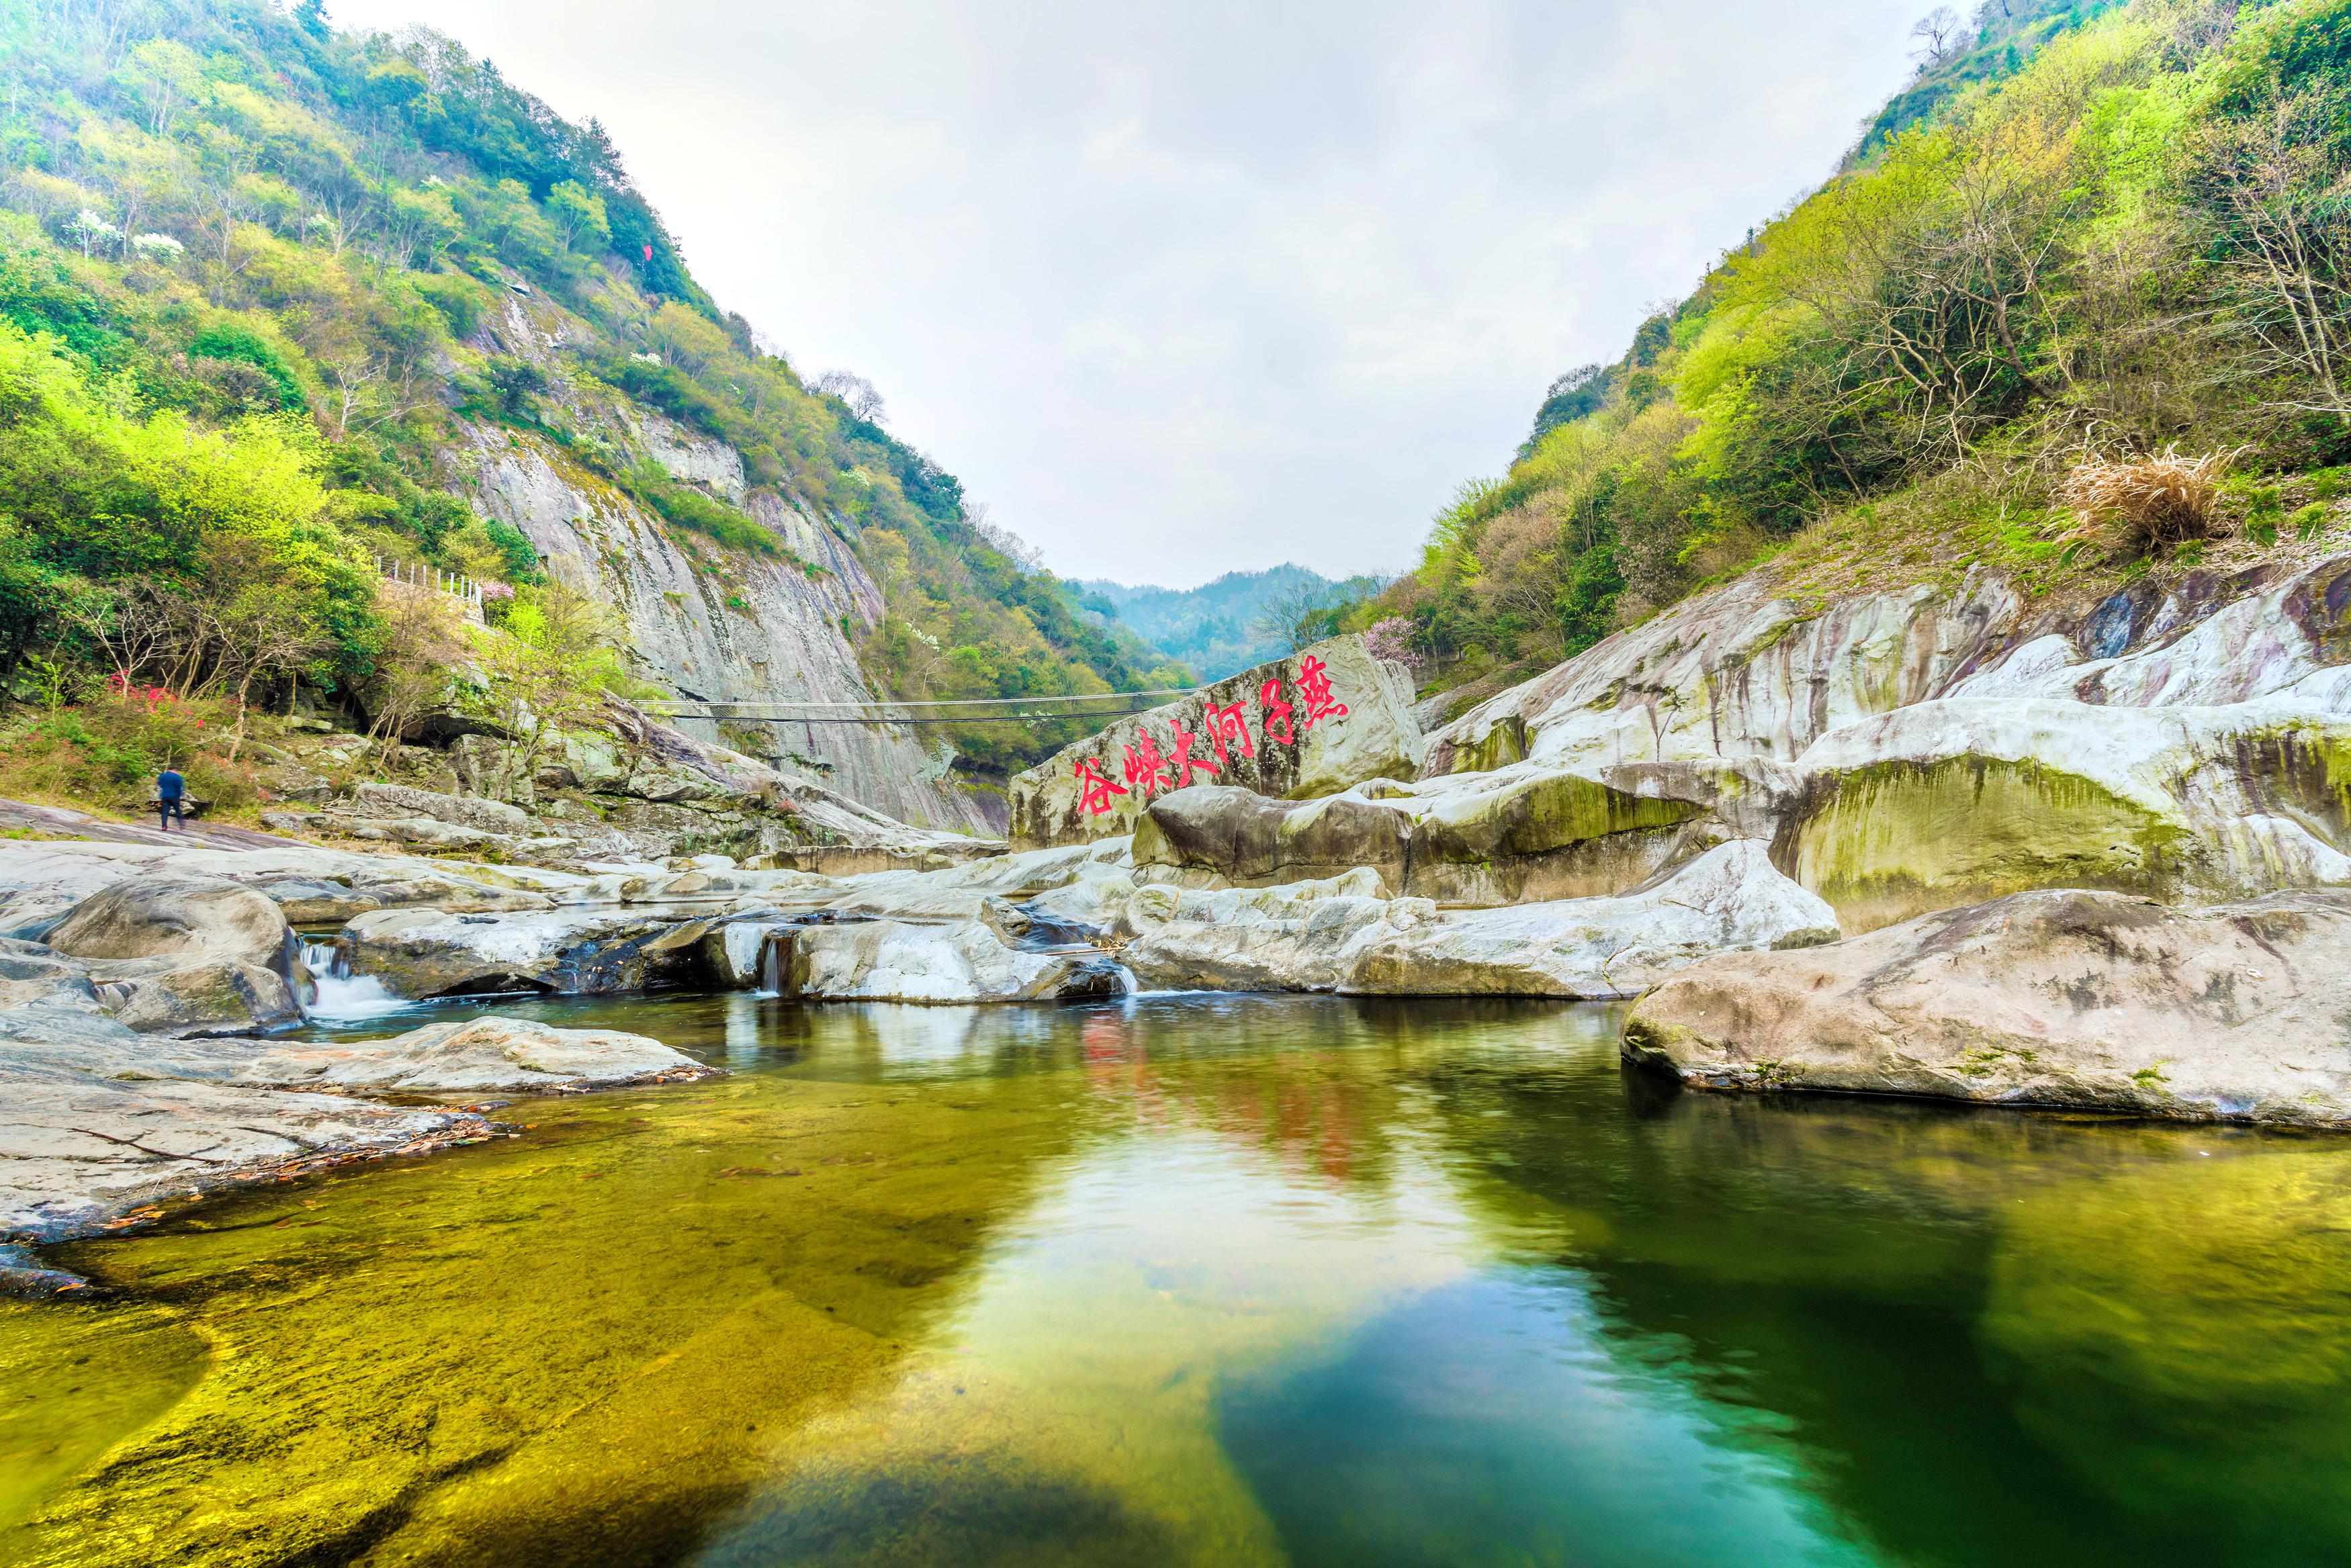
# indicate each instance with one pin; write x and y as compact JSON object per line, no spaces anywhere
{"x":1209,"y":1280}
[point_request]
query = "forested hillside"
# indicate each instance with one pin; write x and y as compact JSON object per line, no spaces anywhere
{"x":276,"y":301}
{"x":1240,"y":619}
{"x":2077,"y":308}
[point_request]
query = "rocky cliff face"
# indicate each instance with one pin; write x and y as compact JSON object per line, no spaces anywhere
{"x":1915,"y":751}
{"x":1743,"y":673}
{"x":711,"y":624}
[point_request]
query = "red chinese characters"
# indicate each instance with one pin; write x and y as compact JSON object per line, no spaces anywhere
{"x":1184,"y":762}
{"x":1226,"y":724}
{"x":1146,"y":770}
{"x":1276,"y":711}
{"x":1095,"y":789}
{"x":1314,"y":685}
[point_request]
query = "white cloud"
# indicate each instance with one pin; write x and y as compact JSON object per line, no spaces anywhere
{"x":1184,"y":288}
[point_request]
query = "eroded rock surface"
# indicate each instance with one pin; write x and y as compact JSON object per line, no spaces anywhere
{"x":1728,"y":899}
{"x":487,"y":1054}
{"x":1522,"y":834}
{"x":1340,"y":934}
{"x":92,"y":1127}
{"x":2238,"y":1011}
{"x":895,"y":961}
{"x":426,"y":953}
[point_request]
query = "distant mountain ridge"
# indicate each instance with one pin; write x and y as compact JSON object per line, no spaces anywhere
{"x":1213,"y":627}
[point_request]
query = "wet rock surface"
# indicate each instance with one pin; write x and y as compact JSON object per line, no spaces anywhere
{"x":95,"y":1123}
{"x":96,"y":1120}
{"x":896,"y":960}
{"x":424,"y":953}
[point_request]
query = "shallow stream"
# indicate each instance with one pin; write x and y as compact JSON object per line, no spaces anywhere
{"x":1209,"y":1280}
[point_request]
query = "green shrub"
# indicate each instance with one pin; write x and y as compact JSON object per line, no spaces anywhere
{"x":239,"y":344}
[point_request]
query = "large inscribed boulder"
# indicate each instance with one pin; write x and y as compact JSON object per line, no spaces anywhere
{"x":1308,"y":726}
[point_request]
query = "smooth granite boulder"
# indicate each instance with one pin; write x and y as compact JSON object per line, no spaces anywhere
{"x":1300,"y":936}
{"x":488,"y":1054}
{"x":2091,"y":999}
{"x":422,"y":953}
{"x":176,"y":914}
{"x":194,"y":995}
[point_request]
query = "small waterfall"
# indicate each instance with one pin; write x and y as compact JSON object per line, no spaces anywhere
{"x":335,"y":994}
{"x":775,"y":955}
{"x":1127,"y":984}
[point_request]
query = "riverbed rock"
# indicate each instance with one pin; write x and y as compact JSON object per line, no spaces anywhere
{"x":43,"y":880}
{"x":487,"y":1054}
{"x":424,"y":953}
{"x":923,"y":904}
{"x":177,"y":916}
{"x":2088,"y":998}
{"x":1271,"y":748}
{"x":34,"y":975}
{"x":194,"y":995}
{"x":90,"y":1131}
{"x":1728,"y":899}
{"x":1300,"y":936}
{"x":891,"y":960}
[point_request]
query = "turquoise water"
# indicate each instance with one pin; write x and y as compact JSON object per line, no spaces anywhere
{"x":1211,"y":1280}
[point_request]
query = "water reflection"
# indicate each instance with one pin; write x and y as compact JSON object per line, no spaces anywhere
{"x":1215,"y":1280}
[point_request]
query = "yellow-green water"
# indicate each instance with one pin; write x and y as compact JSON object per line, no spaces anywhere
{"x":1211,"y":1280}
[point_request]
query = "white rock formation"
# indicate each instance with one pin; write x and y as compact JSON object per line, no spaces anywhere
{"x":2086,"y":999}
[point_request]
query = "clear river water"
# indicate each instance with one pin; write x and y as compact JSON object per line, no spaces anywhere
{"x":1209,"y":1280}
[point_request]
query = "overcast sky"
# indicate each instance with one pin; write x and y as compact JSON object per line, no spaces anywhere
{"x":1181,"y":289}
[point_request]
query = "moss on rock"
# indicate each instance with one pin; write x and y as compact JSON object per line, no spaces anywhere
{"x":1896,"y":839}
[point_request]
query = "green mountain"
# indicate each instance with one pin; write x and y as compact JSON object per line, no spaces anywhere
{"x":284,"y":308}
{"x":1240,"y":619}
{"x":2077,"y":308}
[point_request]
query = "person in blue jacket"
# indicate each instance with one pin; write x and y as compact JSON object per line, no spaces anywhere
{"x":170,"y":787}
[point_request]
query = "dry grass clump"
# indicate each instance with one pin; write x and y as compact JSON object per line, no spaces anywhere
{"x":2147,"y":502}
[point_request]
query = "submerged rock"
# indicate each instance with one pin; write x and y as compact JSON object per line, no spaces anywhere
{"x":96,"y":1120}
{"x":2088,"y":998}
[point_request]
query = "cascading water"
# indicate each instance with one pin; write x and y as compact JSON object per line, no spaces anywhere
{"x":336,"y":994}
{"x":774,"y":948}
